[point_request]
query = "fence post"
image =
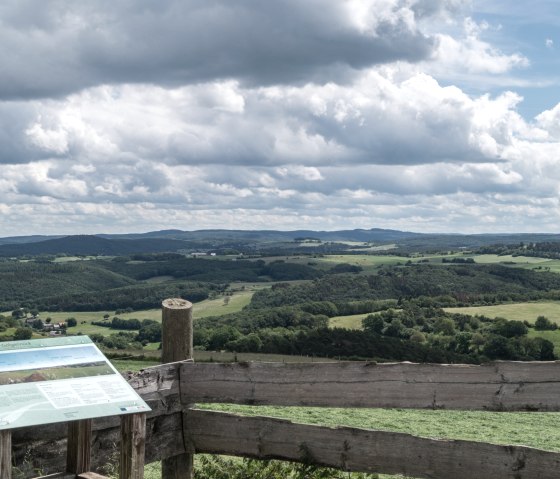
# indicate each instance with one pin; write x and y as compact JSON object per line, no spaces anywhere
{"x":5,"y":454}
{"x":78,"y":452}
{"x":177,"y":345}
{"x":133,"y":444}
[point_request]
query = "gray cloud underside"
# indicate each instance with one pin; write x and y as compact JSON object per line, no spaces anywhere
{"x":52,"y":48}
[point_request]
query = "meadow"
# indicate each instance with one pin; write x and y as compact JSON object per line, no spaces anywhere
{"x":528,"y":311}
{"x":353,"y":321}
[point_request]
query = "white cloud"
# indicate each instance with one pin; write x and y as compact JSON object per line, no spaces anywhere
{"x":316,"y":114}
{"x":549,"y":121}
{"x":472,"y":55}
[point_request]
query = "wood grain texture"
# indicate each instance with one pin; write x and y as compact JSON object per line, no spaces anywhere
{"x":5,"y":454}
{"x":133,"y":446}
{"x":159,"y":387}
{"x":500,"y":386}
{"x":364,"y":450}
{"x":177,"y":330}
{"x":62,"y":475}
{"x":78,"y":449}
{"x":91,"y":475}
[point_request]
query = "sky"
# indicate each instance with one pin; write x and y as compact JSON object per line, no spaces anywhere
{"x":420,"y":115}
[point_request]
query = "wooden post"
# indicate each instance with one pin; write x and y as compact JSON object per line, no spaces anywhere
{"x":177,"y":345}
{"x":78,"y":450}
{"x":5,"y":454}
{"x":177,"y":330}
{"x":133,"y":445}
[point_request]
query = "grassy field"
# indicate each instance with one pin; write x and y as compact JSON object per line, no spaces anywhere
{"x":494,"y":258}
{"x":353,"y":321}
{"x":515,"y":311}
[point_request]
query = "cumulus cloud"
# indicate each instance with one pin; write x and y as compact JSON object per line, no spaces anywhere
{"x":327,"y":114}
{"x":374,"y":120}
{"x":468,"y":53}
{"x":549,"y":121}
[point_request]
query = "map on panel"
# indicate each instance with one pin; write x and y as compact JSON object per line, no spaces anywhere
{"x":44,"y":381}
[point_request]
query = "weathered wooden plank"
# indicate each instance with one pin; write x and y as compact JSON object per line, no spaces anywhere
{"x":133,"y":446}
{"x":158,"y":386}
{"x":91,"y":475}
{"x":78,"y":449}
{"x":499,"y":386}
{"x":178,"y":467}
{"x":5,"y":454}
{"x":364,"y":450}
{"x":62,"y":475}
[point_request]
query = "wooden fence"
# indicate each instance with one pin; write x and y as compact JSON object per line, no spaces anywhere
{"x":176,"y":429}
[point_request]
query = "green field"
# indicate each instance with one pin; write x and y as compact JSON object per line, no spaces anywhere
{"x":353,"y":321}
{"x":515,"y":311}
{"x":494,"y":258}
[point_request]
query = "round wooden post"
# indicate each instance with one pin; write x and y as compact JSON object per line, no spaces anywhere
{"x":177,"y":345}
{"x":177,"y":330}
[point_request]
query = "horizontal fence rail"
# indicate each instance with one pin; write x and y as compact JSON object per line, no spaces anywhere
{"x":361,"y":450}
{"x":174,"y":428}
{"x":500,"y":386}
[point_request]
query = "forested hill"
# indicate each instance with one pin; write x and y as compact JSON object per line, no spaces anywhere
{"x":91,"y":245}
{"x":460,"y":282}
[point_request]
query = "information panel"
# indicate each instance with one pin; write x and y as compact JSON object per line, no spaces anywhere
{"x":43,"y":381}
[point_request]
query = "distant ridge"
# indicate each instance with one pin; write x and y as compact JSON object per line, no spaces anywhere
{"x":374,"y":235}
{"x":244,"y":240}
{"x":26,"y":239}
{"x":91,"y":245}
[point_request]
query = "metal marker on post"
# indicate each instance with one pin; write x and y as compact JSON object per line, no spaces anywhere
{"x":177,"y":345}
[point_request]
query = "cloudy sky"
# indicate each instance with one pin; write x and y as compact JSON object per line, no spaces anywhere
{"x":419,"y":115}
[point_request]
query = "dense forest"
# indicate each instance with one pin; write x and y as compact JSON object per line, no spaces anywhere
{"x":452,"y":285}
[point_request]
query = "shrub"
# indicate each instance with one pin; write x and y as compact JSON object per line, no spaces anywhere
{"x":544,"y":324}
